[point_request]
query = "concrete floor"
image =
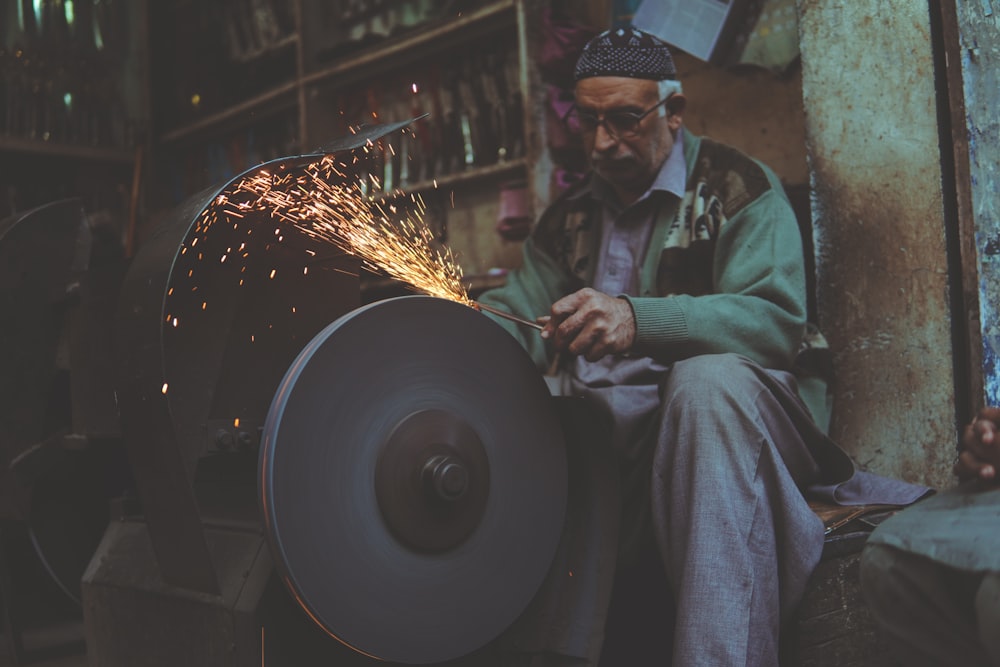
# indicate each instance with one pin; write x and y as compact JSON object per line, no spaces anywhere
{"x":57,"y":646}
{"x":68,"y":661}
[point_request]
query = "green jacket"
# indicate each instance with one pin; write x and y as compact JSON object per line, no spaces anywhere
{"x":726,"y":273}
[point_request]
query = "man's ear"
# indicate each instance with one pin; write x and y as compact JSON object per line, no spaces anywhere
{"x":675,"y":110}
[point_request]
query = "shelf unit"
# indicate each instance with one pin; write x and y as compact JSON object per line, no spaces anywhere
{"x":311,"y":101}
{"x":74,"y":92}
{"x":492,"y":17}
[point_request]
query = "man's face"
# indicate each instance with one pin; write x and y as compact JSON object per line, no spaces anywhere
{"x":628,"y":161}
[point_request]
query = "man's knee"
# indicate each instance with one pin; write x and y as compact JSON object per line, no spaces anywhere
{"x":710,"y":415}
{"x":707,"y":378}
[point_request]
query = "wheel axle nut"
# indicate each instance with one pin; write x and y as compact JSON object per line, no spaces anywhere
{"x":446,"y":476}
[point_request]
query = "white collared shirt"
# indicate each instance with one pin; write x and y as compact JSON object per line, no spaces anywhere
{"x":625,"y":235}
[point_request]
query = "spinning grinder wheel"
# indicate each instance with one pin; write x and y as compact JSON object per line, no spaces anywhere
{"x":413,"y":479}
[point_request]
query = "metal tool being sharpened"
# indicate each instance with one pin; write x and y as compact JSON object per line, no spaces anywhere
{"x":507,"y":316}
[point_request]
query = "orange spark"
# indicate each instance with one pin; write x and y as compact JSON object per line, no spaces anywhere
{"x":339,"y":214}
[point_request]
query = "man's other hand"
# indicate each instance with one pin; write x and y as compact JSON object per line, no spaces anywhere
{"x":979,"y":453}
{"x":590,"y":324}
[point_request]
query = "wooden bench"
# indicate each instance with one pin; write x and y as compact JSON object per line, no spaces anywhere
{"x":833,"y":626}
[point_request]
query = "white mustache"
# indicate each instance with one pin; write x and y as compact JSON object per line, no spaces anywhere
{"x":610,"y":161}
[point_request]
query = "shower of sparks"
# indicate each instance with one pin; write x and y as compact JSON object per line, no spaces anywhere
{"x":321,"y":202}
{"x":338,"y":213}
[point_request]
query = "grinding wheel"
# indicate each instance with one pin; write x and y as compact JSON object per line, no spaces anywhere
{"x":413,"y":479}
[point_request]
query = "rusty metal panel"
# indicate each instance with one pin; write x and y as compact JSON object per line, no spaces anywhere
{"x":203,"y":345}
{"x":969,"y":342}
{"x":882,"y":283}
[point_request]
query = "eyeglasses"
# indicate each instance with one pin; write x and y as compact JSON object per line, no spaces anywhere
{"x":618,"y":124}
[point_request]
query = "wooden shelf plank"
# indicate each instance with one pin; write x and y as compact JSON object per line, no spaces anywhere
{"x":406,"y":46}
{"x":73,"y":151}
{"x":230,"y":113}
{"x":462,"y":177}
{"x":268,"y":49}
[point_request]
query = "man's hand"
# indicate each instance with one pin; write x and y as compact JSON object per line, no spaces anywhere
{"x":979,"y":453}
{"x":590,"y":324}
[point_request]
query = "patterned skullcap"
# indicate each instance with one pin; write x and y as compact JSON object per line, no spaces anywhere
{"x":625,"y":52}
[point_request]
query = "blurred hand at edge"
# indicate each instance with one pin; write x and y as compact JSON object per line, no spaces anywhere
{"x":979,"y":449}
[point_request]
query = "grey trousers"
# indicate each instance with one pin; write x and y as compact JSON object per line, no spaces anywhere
{"x":713,"y":458}
{"x":737,"y":537}
{"x":708,"y":461}
{"x":932,"y":614}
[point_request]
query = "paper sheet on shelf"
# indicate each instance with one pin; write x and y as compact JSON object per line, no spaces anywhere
{"x":693,"y":26}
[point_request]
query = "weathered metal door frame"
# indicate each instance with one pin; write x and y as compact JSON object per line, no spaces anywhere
{"x":967,"y":45}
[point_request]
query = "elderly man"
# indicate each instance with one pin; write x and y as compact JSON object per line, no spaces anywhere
{"x":672,"y":287}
